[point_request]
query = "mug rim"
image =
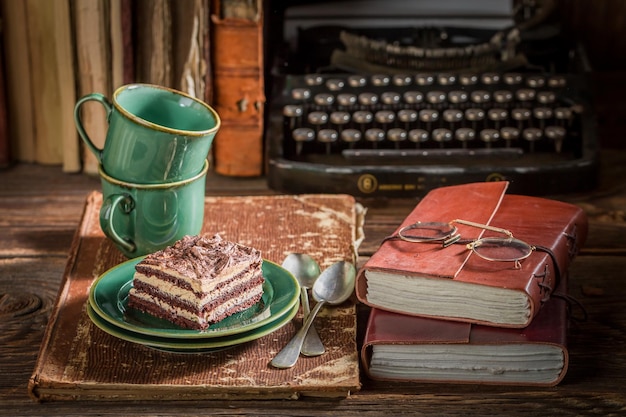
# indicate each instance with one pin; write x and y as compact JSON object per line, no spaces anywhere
{"x":157,"y":126}
{"x":154,"y":186}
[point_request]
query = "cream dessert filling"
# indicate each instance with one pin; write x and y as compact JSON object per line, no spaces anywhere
{"x":212,"y":315}
{"x":190,"y":297}
{"x":198,"y":285}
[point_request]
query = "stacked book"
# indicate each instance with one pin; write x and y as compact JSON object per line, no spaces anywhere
{"x":456,"y":305}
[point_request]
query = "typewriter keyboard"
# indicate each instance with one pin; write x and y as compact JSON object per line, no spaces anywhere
{"x":381,"y":117}
{"x":401,"y":135}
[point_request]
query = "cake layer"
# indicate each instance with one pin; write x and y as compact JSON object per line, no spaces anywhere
{"x":242,"y":290}
{"x":195,"y":301}
{"x":165,"y":309}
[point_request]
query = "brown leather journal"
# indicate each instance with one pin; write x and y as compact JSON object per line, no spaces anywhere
{"x":453,"y":283}
{"x":239,"y":95}
{"x":406,"y":348}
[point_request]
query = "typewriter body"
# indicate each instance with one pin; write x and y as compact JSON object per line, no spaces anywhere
{"x":395,"y":98}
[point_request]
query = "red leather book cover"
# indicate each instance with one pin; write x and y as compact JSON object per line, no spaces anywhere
{"x":426,"y":279}
{"x":407,"y":348}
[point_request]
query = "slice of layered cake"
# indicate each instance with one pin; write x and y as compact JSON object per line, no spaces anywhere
{"x":198,"y":281}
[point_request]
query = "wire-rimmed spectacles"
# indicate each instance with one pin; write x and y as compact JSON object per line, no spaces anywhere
{"x":500,"y":249}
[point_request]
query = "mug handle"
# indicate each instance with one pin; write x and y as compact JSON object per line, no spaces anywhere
{"x":79,"y":124}
{"x":126,"y":204}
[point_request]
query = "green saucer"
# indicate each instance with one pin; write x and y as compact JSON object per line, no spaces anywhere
{"x":108,"y":297}
{"x":191,"y":345}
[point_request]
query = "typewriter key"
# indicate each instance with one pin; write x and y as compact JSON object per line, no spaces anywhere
{"x":489,"y":136}
{"x":542,"y":114}
{"x":468,"y":79}
{"x":441,"y":136}
{"x":374,"y":135}
{"x":380,"y":80}
{"x":509,"y":134}
{"x":502,"y":96}
{"x":457,"y":97}
{"x":397,"y":136}
{"x":313,"y":79}
{"x":413,"y":97}
{"x":532,"y":135}
{"x":327,"y":137}
{"x":300,"y":136}
{"x":418,"y":136}
{"x":351,"y":136}
{"x":401,"y":80}
{"x":480,"y":96}
{"x":301,"y":94}
{"x":424,"y":79}
{"x":512,"y":78}
{"x":546,"y":97}
{"x":464,"y":135}
{"x":557,"y":135}
{"x":535,"y":81}
{"x":368,"y":99}
{"x":490,"y":78}
{"x":357,"y":81}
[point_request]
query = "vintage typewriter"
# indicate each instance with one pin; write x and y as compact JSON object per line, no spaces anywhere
{"x":374,"y":109}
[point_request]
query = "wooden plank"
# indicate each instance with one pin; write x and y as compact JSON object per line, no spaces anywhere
{"x":597,"y":364}
{"x":40,"y":207}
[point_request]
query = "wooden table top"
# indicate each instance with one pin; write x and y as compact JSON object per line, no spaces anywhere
{"x":40,"y":208}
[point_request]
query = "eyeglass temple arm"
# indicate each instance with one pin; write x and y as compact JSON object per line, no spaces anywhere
{"x":483,"y":226}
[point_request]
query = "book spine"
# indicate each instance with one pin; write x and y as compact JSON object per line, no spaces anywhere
{"x":5,"y":145}
{"x":67,"y":133}
{"x":93,"y":69}
{"x":190,"y":61}
{"x":154,"y":42}
{"x":238,"y":86}
{"x":18,"y":80}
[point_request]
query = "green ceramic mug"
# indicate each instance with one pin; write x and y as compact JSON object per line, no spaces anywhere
{"x":143,"y":218}
{"x":155,"y":134}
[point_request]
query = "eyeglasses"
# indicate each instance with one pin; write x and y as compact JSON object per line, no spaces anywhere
{"x":499,"y":249}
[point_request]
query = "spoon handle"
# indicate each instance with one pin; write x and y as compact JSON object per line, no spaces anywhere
{"x":312,"y":345}
{"x":288,"y":356}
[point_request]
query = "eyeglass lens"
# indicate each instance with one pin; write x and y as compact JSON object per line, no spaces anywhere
{"x":430,"y":231}
{"x":501,"y":249}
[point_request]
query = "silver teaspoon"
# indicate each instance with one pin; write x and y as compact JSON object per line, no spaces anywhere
{"x":334,"y":286}
{"x":306,"y":270}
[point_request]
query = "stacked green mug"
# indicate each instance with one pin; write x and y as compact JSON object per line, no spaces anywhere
{"x":153,"y":165}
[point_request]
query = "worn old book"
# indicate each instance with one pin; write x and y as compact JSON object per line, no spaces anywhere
{"x":19,"y":88}
{"x":238,"y":86}
{"x":434,"y":265}
{"x":93,"y":70}
{"x":398,"y":347}
{"x":79,"y":361}
{"x":5,"y":144}
{"x":40,"y":82}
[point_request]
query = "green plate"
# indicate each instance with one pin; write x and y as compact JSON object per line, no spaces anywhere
{"x":108,"y":298}
{"x":191,"y":345}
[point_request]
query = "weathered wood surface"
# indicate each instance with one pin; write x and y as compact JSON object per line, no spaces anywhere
{"x":40,"y":208}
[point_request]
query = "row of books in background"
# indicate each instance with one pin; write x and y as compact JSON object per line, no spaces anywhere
{"x":444,"y":314}
{"x":54,"y":52}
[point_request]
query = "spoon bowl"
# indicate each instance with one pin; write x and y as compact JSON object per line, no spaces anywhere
{"x":306,"y":271}
{"x":303,"y":267}
{"x":333,"y":286}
